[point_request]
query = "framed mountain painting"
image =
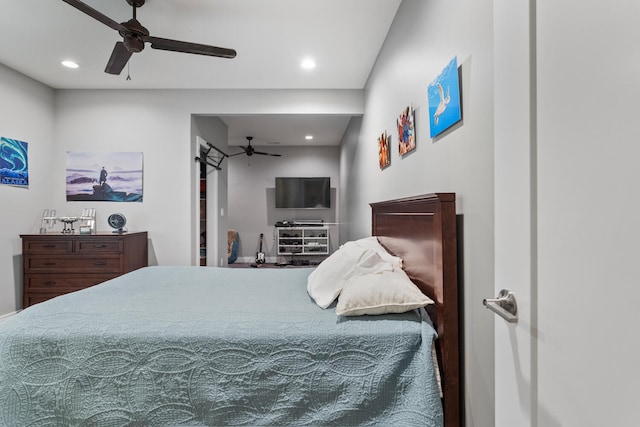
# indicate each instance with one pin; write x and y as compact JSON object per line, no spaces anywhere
{"x":104,"y":176}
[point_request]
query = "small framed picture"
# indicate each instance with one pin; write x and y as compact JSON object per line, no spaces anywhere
{"x":85,"y":229}
{"x":406,"y":131}
{"x":384,"y":155}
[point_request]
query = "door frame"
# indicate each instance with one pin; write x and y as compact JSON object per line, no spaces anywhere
{"x":515,"y":168}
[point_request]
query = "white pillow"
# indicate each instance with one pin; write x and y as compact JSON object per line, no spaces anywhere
{"x":373,"y":244}
{"x":380,"y":293}
{"x":325,"y":282}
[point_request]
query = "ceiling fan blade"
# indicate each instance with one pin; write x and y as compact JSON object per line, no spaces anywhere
{"x":244,"y":151}
{"x":267,"y":154}
{"x":187,"y":47}
{"x":82,"y":7}
{"x":119,"y":58}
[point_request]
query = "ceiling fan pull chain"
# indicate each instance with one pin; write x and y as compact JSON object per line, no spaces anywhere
{"x":128,"y":75}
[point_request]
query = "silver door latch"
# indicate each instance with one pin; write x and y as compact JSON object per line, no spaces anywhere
{"x":504,"y":306}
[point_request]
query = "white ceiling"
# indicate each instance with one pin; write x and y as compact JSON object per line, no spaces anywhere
{"x":267,"y":130}
{"x":271,"y":38}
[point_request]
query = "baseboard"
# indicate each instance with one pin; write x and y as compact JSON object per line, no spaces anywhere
{"x":6,"y":316}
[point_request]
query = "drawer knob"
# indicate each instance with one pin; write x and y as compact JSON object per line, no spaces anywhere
{"x":49,"y":263}
{"x":50,"y":246}
{"x":49,"y":283}
{"x":99,"y":246}
{"x":99,"y":263}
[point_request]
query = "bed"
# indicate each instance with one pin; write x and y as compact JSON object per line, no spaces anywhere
{"x":219,"y":346}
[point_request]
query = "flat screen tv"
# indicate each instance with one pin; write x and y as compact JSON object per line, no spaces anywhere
{"x":303,"y":193}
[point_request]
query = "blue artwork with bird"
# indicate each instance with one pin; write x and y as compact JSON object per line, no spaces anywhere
{"x":444,"y":100}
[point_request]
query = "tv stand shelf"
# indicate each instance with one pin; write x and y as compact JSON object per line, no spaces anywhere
{"x":303,"y":240}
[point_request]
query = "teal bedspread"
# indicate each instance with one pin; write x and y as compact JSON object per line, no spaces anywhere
{"x":165,"y":346}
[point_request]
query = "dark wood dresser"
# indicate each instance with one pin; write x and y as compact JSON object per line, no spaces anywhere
{"x":56,"y":264}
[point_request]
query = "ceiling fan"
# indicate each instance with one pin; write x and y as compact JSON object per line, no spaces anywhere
{"x":134,"y":36}
{"x":250,"y":151}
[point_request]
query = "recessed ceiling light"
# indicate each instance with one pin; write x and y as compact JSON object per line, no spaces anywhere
{"x":308,"y":64}
{"x":308,"y":137}
{"x":70,"y":64}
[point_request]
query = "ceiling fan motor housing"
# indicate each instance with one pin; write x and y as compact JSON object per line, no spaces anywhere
{"x":133,"y":43}
{"x":133,"y":39}
{"x":135,"y":3}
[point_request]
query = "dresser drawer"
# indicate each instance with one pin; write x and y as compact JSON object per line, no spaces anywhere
{"x":45,"y":264}
{"x":53,"y":282}
{"x":55,"y":264}
{"x":92,"y":247}
{"x":48,"y":246}
{"x":36,"y":297}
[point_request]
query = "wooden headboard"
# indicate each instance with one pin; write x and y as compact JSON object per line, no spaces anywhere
{"x":422,"y":231}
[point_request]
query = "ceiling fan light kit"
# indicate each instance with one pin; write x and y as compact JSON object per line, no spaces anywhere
{"x":134,"y":36}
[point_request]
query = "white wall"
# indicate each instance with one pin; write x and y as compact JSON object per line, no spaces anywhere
{"x":157,"y":123}
{"x":214,"y":131}
{"x":349,"y":176}
{"x":424,"y":37}
{"x":252,"y":194}
{"x":26,"y":114}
